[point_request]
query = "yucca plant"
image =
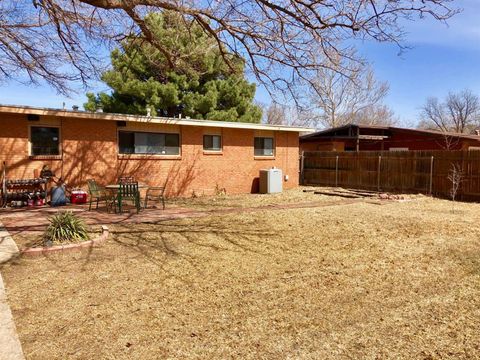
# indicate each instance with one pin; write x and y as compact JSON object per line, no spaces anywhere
{"x":65,"y":226}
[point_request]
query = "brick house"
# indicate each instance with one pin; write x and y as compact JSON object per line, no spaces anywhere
{"x":188,"y":156}
{"x":378,"y":138}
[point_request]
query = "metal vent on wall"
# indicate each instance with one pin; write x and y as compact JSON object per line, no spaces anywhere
{"x":33,"y":117}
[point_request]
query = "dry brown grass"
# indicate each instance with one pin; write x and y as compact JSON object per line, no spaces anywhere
{"x":399,"y":280}
{"x":248,"y":200}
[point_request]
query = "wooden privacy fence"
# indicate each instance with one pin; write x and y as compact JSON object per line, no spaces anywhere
{"x":403,"y":171}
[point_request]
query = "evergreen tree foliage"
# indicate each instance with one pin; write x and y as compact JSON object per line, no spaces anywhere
{"x":201,"y":86}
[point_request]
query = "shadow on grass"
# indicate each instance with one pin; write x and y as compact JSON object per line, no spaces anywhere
{"x":164,"y":242}
{"x":157,"y":237}
{"x":188,"y":243}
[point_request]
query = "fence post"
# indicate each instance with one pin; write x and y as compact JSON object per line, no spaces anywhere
{"x":336,"y":171}
{"x":302,"y":164}
{"x":378,"y":172}
{"x":431,"y":176}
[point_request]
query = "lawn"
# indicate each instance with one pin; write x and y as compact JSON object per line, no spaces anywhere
{"x":352,"y":280}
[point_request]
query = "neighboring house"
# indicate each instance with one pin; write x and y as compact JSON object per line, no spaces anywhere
{"x":388,"y":138}
{"x":189,"y":156}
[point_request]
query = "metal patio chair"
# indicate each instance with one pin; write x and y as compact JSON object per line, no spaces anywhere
{"x":155,"y":194}
{"x":128,"y":192}
{"x":126,"y":180}
{"x":98,"y":193}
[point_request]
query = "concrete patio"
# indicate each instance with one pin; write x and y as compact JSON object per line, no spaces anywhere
{"x":33,"y":220}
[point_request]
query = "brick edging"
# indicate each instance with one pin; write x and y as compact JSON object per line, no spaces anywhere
{"x":35,"y":251}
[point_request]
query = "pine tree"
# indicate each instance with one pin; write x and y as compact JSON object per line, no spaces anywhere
{"x":202,"y":84}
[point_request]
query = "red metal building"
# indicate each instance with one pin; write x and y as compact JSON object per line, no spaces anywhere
{"x":377,"y":138}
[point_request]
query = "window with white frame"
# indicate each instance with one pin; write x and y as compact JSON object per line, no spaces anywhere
{"x":130,"y":142}
{"x":44,"y":140}
{"x":264,"y":146}
{"x":212,"y":142}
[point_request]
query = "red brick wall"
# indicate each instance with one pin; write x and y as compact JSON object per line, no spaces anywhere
{"x":89,"y":150}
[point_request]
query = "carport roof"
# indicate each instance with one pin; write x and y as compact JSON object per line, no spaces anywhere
{"x":331,"y":132}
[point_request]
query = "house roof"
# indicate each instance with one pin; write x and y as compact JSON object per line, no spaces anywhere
{"x":16,"y":109}
{"x":331,"y":132}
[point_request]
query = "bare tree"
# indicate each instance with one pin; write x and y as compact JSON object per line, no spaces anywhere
{"x":285,"y":114}
{"x":460,"y":113}
{"x":58,"y":40}
{"x":275,"y":114}
{"x":455,"y":175}
{"x":348,"y":93}
{"x":375,"y":115}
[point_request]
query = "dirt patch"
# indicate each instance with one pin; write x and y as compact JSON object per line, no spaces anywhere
{"x":301,"y":194}
{"x":349,"y":281}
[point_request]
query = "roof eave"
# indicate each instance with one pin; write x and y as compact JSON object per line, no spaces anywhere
{"x":147,"y":119}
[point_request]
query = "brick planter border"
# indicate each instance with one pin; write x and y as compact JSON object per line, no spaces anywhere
{"x":35,"y":251}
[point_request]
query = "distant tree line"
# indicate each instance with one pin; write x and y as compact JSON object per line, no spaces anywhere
{"x":347,"y":93}
{"x":459,"y":112}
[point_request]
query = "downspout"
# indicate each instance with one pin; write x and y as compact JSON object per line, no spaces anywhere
{"x":61,"y":147}
{"x":286,"y":152}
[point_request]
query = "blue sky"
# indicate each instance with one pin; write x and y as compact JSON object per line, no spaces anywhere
{"x":441,"y":59}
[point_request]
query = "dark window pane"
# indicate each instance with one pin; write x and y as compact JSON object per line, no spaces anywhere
{"x":258,"y":146}
{"x":172,"y":144}
{"x":155,"y":143}
{"x":126,"y":142}
{"x":207,"y":142}
{"x":217,"y":142}
{"x":268,"y":146}
{"x":141,"y":143}
{"x":172,"y":140}
{"x":263,"y":146}
{"x":148,"y":143}
{"x":45,"y":140}
{"x":212,"y":142}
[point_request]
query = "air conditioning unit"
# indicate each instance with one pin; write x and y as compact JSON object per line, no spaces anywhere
{"x":271,"y":181}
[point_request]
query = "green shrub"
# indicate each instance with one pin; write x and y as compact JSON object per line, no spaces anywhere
{"x":65,"y":227}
